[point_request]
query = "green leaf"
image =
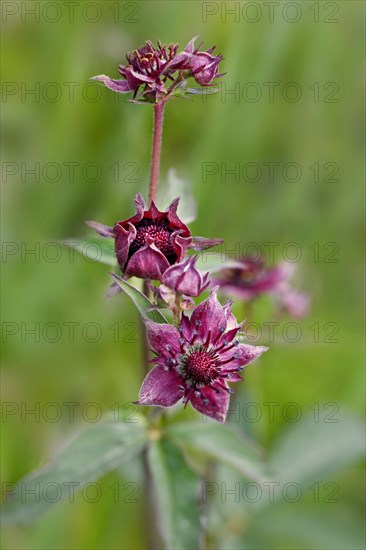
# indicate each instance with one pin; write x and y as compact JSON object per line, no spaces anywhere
{"x":143,"y":304}
{"x":94,"y":248}
{"x":177,"y":495}
{"x":311,"y":451}
{"x":91,"y":453}
{"x":222,"y":443}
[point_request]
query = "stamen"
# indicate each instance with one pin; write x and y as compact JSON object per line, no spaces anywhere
{"x":225,"y":388}
{"x":225,"y":362}
{"x":222,"y":348}
{"x":220,"y":333}
{"x":187,"y":397}
{"x":208,"y":339}
{"x":195,"y":334}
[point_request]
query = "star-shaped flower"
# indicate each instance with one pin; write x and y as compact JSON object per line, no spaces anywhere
{"x":196,"y":361}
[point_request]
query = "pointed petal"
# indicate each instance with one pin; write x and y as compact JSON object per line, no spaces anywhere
{"x":230,"y":318}
{"x":100,"y":228}
{"x":153,"y":212}
{"x":229,"y":335}
{"x":212,"y":404}
{"x":139,"y":202}
{"x":174,"y":219}
{"x":120,"y":86}
{"x":190,"y":46}
{"x":209,"y":317}
{"x":162,"y":335}
{"x":139,"y":213}
{"x":140,"y":210}
{"x":241,"y":355}
{"x":160,"y":388}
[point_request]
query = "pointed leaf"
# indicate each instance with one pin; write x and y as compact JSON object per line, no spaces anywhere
{"x":143,"y":304}
{"x":223,"y":443}
{"x":177,"y":494}
{"x":91,"y":453}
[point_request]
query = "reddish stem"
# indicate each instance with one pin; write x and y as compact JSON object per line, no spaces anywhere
{"x":156,"y":150}
{"x":151,"y":535}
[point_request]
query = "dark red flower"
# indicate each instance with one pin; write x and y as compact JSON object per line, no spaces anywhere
{"x":147,"y":66}
{"x":196,"y":361}
{"x":149,"y":242}
{"x":154,"y":67}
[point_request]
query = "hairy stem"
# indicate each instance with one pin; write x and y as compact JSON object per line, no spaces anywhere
{"x":156,"y":150}
{"x":152,"y":541}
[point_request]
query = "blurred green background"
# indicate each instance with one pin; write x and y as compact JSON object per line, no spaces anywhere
{"x":73,"y":121}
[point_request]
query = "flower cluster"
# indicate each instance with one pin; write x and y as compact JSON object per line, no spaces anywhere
{"x":201,"y":351}
{"x":199,"y":356}
{"x":158,"y":70}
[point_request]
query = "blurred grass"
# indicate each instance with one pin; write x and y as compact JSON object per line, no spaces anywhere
{"x":107,"y":131}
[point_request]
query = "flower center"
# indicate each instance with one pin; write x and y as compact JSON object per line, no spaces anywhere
{"x":149,"y":60}
{"x":159,"y":232}
{"x":201,"y":366}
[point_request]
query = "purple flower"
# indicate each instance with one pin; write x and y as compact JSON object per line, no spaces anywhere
{"x":149,"y":242}
{"x":196,"y":361}
{"x":185,"y":278}
{"x":250,"y":279}
{"x":149,"y":67}
{"x":253,"y":278}
{"x":153,"y":67}
{"x":203,"y":66}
